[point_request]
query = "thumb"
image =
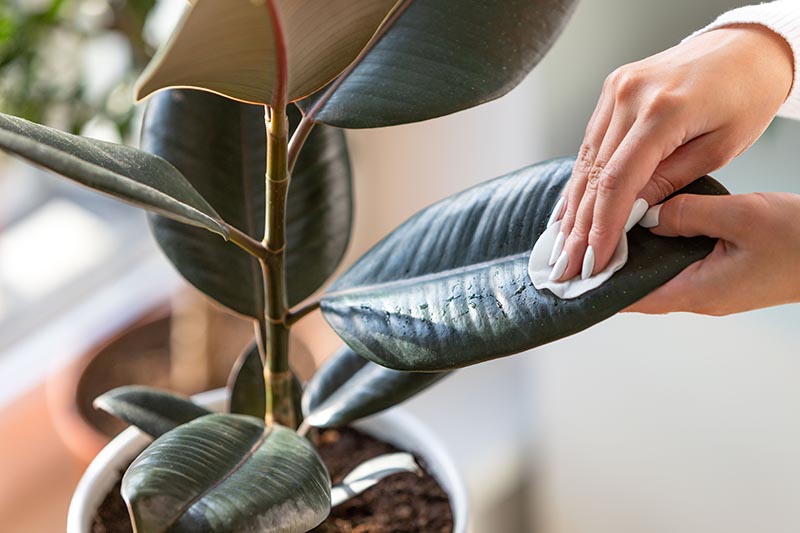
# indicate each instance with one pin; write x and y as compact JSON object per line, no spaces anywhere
{"x":691,"y":215}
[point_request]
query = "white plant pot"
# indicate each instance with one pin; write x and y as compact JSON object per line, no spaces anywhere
{"x":397,"y":427}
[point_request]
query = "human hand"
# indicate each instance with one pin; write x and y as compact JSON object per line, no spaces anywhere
{"x":755,"y":264}
{"x":659,"y":124}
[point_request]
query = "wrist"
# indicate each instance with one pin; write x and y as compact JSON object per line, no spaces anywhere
{"x":768,"y":51}
{"x":781,"y":17}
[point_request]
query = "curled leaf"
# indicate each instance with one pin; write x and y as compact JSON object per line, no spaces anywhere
{"x":253,"y":50}
{"x":153,"y":411}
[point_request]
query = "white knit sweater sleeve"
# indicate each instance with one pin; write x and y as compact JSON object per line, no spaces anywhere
{"x":782,"y":17}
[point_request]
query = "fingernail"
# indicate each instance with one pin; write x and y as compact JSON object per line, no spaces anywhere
{"x":561,"y":266}
{"x":555,"y":216}
{"x":650,"y":218}
{"x":637,"y":212}
{"x":588,"y":263}
{"x":557,"y":247}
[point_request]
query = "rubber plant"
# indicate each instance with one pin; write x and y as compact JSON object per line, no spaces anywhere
{"x":245,"y":172}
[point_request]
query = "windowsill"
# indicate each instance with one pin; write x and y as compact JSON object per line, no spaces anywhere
{"x":27,"y":362}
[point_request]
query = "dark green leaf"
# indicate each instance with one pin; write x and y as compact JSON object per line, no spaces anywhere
{"x":227,"y":473}
{"x":450,"y":286}
{"x":220,"y":145}
{"x":139,"y":178}
{"x":437,"y":57}
{"x":246,"y":385}
{"x":153,"y":411}
{"x":348,"y":387}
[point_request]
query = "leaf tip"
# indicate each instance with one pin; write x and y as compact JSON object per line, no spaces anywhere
{"x":321,"y":418}
{"x":101,"y":403}
{"x":142,"y":91}
{"x":105,"y":401}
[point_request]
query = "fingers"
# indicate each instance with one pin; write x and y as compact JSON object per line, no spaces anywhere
{"x":608,"y":201}
{"x":599,"y":220}
{"x":633,"y":148}
{"x":619,"y":154}
{"x":592,"y":140}
{"x":689,"y":215}
{"x":583,"y":206}
{"x":753,"y":264}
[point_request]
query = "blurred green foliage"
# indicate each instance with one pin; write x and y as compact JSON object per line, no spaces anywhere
{"x":42,"y":59}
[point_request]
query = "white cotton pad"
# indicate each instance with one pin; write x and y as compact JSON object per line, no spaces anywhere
{"x":539,"y":268}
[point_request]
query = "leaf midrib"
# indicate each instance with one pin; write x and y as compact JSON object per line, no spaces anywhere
{"x":432,"y":276}
{"x":393,"y":16}
{"x":265,"y":433}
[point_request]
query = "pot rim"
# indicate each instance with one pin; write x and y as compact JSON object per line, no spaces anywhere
{"x":80,"y":437}
{"x":413,"y":436}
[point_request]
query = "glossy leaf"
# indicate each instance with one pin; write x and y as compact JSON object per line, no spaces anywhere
{"x":152,"y":410}
{"x":220,"y":146}
{"x":243,"y":48}
{"x":436,"y":57}
{"x":128,"y":174}
{"x":227,"y":473}
{"x":450,"y":286}
{"x":246,"y":384}
{"x":370,"y":473}
{"x":248,"y":394}
{"x":348,"y":387}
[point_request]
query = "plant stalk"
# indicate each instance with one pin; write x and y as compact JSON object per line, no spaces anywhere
{"x":295,"y":315}
{"x":277,"y":373}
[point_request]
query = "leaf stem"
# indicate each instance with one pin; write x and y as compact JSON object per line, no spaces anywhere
{"x":304,"y":428}
{"x":295,"y":315}
{"x":277,"y":374}
{"x":246,"y":242}
{"x":260,"y":327}
{"x":299,"y":138}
